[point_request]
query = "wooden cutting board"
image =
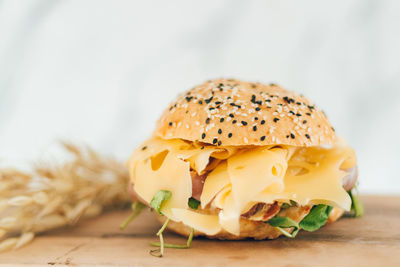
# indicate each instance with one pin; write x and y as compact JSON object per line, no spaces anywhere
{"x":373,"y":240}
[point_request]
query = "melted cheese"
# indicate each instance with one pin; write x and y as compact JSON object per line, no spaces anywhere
{"x":172,"y":175}
{"x":241,"y":178}
{"x":215,"y":182}
{"x":197,"y":156}
{"x":250,"y":172}
{"x":208,"y":224}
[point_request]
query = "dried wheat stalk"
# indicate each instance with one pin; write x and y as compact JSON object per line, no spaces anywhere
{"x":56,"y":196}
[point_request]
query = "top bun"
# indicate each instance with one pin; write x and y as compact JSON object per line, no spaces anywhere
{"x":228,"y":112}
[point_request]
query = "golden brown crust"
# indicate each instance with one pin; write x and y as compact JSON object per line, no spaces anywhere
{"x":251,"y":229}
{"x":236,"y":113}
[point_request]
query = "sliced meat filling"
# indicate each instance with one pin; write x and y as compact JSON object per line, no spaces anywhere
{"x":197,"y":183}
{"x":349,"y":181}
{"x":262,"y":211}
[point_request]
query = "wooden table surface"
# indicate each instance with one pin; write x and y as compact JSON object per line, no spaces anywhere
{"x":373,"y":240}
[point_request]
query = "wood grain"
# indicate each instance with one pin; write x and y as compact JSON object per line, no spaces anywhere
{"x":373,"y":240}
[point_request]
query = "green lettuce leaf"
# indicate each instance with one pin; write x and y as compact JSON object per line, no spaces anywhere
{"x":356,"y":206}
{"x":193,"y":203}
{"x":316,"y":218}
{"x":285,"y":222}
{"x":159,"y":199}
{"x":288,"y":205}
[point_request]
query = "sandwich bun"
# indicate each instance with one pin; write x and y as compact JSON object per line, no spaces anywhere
{"x":257,"y":230}
{"x":228,"y":112}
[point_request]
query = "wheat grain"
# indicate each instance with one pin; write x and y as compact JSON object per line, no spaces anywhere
{"x":24,"y":239}
{"x":7,"y":222}
{"x":19,"y":201}
{"x":2,"y":233}
{"x":8,"y":243}
{"x":57,"y":196}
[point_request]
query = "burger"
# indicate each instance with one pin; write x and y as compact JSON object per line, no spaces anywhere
{"x":233,"y":160}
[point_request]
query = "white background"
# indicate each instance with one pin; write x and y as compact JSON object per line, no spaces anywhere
{"x":101,"y":72}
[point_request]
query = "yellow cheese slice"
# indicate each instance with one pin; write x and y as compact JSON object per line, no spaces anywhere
{"x":215,"y":182}
{"x":207,"y":224}
{"x":250,"y":172}
{"x":242,"y":178}
{"x":321,"y":184}
{"x":197,"y":156}
{"x":173,"y":175}
{"x":255,"y":170}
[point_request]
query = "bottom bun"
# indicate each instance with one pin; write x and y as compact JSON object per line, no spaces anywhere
{"x":251,"y":229}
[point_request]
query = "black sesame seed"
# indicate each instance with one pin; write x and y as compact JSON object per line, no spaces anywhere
{"x":219,"y":143}
{"x":308,"y":113}
{"x":276,"y":119}
{"x":203,"y":135}
{"x":298,"y":114}
{"x":211,"y":108}
{"x":262,"y":138}
{"x":267,"y":100}
{"x":207,"y":120}
{"x":219,"y":131}
{"x":144,"y":148}
{"x":170,"y":124}
{"x":208,"y":100}
{"x":188,"y":98}
{"x":215,"y":140}
{"x":200,"y":102}
{"x":229,"y":135}
{"x":254,"y":128}
{"x":259,"y":102}
{"x":256,"y":118}
{"x":221,"y":120}
{"x":262,"y":122}
{"x":287,"y":136}
{"x":291,"y":112}
{"x":244,"y":123}
{"x":234,"y":121}
{"x":231,"y":115}
{"x":218,"y":102}
{"x":258,"y":109}
{"x":308,"y":136}
{"x":304,"y":122}
{"x":298,"y":103}
{"x":292,"y":136}
{"x":288,"y":99}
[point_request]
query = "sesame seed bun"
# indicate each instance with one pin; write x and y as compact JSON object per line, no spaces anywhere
{"x":230,"y":112}
{"x":258,"y":230}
